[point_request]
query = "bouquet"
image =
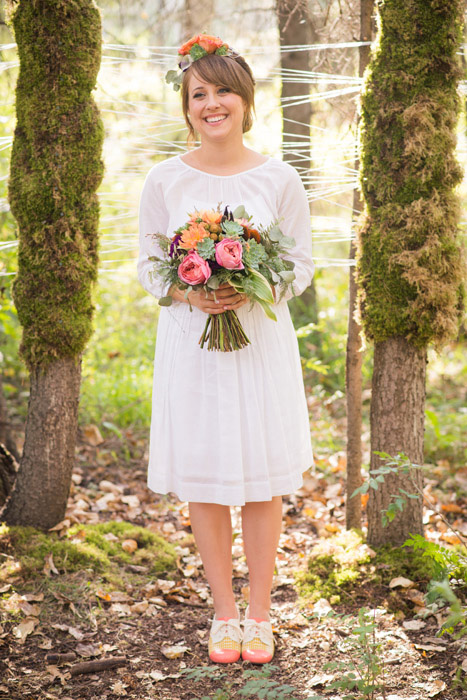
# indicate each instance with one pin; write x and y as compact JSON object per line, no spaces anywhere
{"x":216,"y":247}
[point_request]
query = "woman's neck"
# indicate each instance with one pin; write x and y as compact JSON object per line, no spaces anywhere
{"x":218,"y":158}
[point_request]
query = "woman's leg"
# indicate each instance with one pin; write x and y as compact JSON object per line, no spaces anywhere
{"x":261,"y":524}
{"x":212,"y":528}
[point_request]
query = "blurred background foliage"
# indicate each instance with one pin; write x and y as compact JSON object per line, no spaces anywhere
{"x":143,"y":125}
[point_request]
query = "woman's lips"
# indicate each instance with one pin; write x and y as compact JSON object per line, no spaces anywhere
{"x":216,"y":120}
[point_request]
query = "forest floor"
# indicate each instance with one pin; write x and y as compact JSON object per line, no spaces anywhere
{"x":159,"y":623}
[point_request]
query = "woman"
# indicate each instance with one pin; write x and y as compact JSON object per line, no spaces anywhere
{"x":228,"y":428}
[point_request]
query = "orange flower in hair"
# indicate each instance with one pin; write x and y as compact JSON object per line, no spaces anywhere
{"x":206,"y":41}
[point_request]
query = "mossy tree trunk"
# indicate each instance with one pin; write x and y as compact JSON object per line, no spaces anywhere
{"x":296,"y":29}
{"x":409,"y":259}
{"x":56,"y":169}
{"x":354,"y":350}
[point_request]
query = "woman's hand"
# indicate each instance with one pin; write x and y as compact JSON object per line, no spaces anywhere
{"x":226,"y":299}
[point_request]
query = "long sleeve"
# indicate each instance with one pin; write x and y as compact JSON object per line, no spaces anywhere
{"x":153,"y":218}
{"x":295,"y":221}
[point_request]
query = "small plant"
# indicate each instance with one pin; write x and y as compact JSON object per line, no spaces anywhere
{"x":259,"y":684}
{"x":362,"y":672}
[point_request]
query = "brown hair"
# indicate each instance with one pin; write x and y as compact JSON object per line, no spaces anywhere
{"x":231,"y":72}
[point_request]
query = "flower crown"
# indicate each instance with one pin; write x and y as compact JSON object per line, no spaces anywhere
{"x":195,"y":48}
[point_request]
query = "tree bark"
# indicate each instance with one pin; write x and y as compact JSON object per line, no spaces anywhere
{"x":354,"y":355}
{"x":397,"y":424}
{"x":295,"y":29}
{"x":49,"y":447}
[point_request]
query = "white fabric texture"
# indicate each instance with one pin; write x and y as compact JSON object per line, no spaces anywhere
{"x":226,"y":427}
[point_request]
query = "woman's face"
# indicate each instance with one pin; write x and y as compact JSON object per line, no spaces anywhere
{"x":215,"y":112}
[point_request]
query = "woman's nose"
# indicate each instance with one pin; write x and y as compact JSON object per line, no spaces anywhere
{"x":213,"y":100}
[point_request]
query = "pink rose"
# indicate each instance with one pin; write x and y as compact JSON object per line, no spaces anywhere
{"x":229,"y":254}
{"x":193,"y":269}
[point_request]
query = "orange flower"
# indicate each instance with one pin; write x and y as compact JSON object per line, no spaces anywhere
{"x":207,"y":42}
{"x":209,"y":216}
{"x":192,"y":235}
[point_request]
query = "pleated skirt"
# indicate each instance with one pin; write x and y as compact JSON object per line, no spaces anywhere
{"x":228,"y":427}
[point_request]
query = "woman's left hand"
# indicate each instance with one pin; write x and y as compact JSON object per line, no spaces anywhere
{"x":228,"y":298}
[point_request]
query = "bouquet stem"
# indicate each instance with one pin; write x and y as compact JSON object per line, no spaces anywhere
{"x":224,"y":332}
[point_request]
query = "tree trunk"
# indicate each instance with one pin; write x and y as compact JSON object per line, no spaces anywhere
{"x":197,"y":17}
{"x":55,"y":170}
{"x":397,"y":423}
{"x":409,"y":259}
{"x":295,"y":29}
{"x":354,"y":354}
{"x":49,"y":447}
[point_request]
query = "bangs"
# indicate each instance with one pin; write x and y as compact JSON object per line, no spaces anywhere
{"x":221,"y":71}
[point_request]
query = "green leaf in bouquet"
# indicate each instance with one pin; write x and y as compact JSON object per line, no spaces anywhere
{"x":275,"y":234}
{"x":213,"y":282}
{"x":206,"y":249}
{"x":171,"y":76}
{"x":260,"y":286}
{"x":267,"y":309}
{"x":231,"y":228}
{"x":165,"y":301}
{"x":240,"y":212}
{"x":287,"y":275}
{"x":287,"y":242}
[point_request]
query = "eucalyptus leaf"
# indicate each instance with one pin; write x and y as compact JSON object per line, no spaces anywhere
{"x":287,"y":242}
{"x":240,"y":212}
{"x":287,"y":275}
{"x":275,"y":234}
{"x":165,"y":301}
{"x":213,"y":283}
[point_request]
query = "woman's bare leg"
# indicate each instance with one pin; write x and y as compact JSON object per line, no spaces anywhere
{"x":212,"y":528}
{"x":261,"y":524}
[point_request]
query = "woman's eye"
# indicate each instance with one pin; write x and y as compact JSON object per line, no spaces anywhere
{"x":198,"y":94}
{"x":224,"y":90}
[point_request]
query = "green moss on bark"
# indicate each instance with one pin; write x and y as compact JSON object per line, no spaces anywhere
{"x":409,"y":263}
{"x":56,"y":168}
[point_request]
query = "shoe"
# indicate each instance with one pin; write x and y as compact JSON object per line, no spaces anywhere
{"x":258,"y":640}
{"x":225,"y":640}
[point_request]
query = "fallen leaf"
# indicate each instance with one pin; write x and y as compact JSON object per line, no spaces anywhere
{"x":28,"y":609}
{"x":140,"y":607}
{"x":118,"y":688}
{"x":21,"y":631}
{"x":46,"y":644}
{"x":174,"y":652}
{"x":87,"y":650}
{"x":401,"y":582}
{"x":76,"y":633}
{"x":49,"y":566}
{"x":92,"y":435}
{"x":157,"y":675}
{"x":413,"y":624}
{"x":129,"y":546}
{"x":33,"y":597}
{"x":452,"y":508}
{"x":464,"y":665}
{"x":429,"y":647}
{"x":319,"y":679}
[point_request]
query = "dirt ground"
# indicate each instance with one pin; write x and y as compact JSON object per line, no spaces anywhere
{"x":161,"y":625}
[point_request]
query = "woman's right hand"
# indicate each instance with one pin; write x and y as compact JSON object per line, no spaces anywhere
{"x":226,"y":299}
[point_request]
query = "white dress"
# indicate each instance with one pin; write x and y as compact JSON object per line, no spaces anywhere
{"x":226,"y":427}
